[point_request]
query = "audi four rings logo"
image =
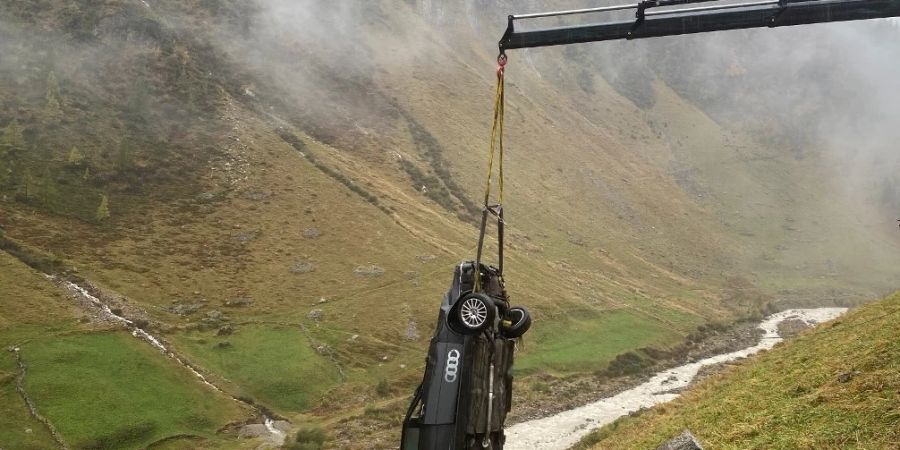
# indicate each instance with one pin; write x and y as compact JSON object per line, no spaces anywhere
{"x":452,"y":366}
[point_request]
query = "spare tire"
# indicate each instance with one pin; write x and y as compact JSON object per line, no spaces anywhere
{"x":474,"y":313}
{"x":516,"y":322}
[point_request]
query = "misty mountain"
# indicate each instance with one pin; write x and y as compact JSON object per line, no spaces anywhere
{"x":279,"y":191}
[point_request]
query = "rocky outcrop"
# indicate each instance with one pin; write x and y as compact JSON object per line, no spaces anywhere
{"x":792,"y":327}
{"x":847,"y":376}
{"x":684,"y":441}
{"x":369,"y":270}
{"x":238,"y":302}
{"x":412,"y":331}
{"x":253,"y":430}
{"x":301,"y":267}
{"x":184,"y":309}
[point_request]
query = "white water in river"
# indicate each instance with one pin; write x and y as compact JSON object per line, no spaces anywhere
{"x":563,"y":430}
{"x":277,"y":435}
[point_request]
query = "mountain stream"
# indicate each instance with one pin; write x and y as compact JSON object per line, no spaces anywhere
{"x":563,"y":430}
{"x":274,"y":432}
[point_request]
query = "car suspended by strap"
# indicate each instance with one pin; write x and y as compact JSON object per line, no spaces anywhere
{"x":466,"y":392}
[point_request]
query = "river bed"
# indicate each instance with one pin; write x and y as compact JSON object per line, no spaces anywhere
{"x":563,"y":430}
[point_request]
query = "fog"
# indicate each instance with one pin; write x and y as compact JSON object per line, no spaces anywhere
{"x":338,"y":70}
{"x":827,"y":90}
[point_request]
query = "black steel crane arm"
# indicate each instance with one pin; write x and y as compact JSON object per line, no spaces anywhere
{"x":728,"y":16}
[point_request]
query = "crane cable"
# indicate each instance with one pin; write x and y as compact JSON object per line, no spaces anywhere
{"x":496,"y":147}
{"x":497,"y":135}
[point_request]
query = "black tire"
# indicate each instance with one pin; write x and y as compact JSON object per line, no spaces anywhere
{"x":516,"y":322}
{"x":474,"y":313}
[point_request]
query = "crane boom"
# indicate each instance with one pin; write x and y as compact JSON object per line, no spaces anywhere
{"x":652,"y":22}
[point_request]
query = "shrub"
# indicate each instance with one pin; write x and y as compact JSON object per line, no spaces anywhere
{"x":309,"y":437}
{"x":125,"y":437}
{"x":49,"y":264}
{"x":383,"y":389}
{"x":626,"y":364}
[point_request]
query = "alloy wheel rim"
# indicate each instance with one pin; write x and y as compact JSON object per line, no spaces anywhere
{"x":473,"y":312}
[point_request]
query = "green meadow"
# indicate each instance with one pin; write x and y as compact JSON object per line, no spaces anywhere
{"x":109,"y":390}
{"x":588,"y":341}
{"x":274,"y":366}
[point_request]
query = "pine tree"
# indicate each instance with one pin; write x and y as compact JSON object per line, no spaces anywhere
{"x":137,"y":103}
{"x":12,"y":136}
{"x":75,"y":156}
{"x":27,"y":182}
{"x":5,"y":172}
{"x":54,"y":101}
{"x":49,"y":190}
{"x":103,"y":209}
{"x":124,"y":156}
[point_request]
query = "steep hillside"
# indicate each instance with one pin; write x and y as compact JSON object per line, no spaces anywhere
{"x":281,"y":192}
{"x":837,"y":386}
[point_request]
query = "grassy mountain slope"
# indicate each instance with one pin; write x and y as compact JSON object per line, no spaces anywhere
{"x":310,"y":187}
{"x":98,"y":387}
{"x":836,"y":386}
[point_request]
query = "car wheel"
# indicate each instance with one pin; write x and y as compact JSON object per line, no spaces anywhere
{"x":474,"y":313}
{"x":516,"y":322}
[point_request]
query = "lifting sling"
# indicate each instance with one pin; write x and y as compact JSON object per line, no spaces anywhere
{"x":495,"y":147}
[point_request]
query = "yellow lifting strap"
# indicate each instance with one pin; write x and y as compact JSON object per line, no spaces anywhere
{"x":496,"y":135}
{"x":496,"y":147}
